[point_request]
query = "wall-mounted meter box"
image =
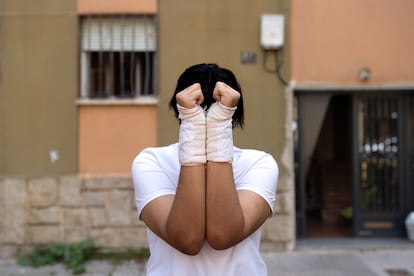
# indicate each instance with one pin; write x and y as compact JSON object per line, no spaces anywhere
{"x":272,"y":31}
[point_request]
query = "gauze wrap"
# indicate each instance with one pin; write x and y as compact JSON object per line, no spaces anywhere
{"x":220,"y":133}
{"x":192,"y":136}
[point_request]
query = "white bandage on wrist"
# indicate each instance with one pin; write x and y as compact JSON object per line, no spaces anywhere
{"x":220,"y":133}
{"x":192,"y":136}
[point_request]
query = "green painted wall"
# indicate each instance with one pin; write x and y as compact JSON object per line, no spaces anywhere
{"x":218,"y":31}
{"x":38,"y":86}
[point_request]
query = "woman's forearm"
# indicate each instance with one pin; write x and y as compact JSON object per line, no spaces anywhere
{"x":224,"y":221}
{"x":186,"y":222}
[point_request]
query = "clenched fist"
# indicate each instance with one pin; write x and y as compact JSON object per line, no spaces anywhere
{"x":226,"y":95}
{"x":190,"y":97}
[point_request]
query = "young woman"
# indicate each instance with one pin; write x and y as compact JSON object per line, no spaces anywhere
{"x":202,"y":199}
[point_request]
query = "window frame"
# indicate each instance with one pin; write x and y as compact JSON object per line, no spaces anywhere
{"x":147,"y":52}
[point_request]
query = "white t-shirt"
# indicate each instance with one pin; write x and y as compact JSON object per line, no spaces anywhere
{"x":155,"y":173}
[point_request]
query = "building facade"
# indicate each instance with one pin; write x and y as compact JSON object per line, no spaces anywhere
{"x":352,"y":76}
{"x":85,"y":86}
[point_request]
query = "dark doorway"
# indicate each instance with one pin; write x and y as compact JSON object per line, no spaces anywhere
{"x":328,"y":179}
{"x":352,"y":160}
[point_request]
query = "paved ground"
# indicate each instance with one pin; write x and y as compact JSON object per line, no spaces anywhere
{"x":311,"y":258}
{"x":342,"y":263}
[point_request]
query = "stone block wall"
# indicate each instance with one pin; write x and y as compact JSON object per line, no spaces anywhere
{"x":279,"y":231}
{"x":68,"y":209}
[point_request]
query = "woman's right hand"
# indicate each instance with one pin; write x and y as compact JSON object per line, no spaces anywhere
{"x":191,"y":96}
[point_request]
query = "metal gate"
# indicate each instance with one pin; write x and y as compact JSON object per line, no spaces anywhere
{"x":378,"y":171}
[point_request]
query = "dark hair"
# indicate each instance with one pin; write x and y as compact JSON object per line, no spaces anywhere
{"x":207,"y":75}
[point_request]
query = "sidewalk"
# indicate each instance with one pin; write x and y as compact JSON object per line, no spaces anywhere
{"x":316,"y":257}
{"x":344,"y":257}
{"x":342,"y":263}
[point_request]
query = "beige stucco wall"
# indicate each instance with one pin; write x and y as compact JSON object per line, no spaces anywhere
{"x":38,"y":86}
{"x":110,"y":136}
{"x":333,"y":40}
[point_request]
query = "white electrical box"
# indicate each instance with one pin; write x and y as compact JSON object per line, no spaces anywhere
{"x":272,"y":31}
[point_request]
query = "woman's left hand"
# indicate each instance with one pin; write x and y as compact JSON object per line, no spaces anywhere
{"x":226,"y":95}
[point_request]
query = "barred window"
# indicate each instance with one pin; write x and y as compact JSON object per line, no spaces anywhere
{"x":117,"y":56}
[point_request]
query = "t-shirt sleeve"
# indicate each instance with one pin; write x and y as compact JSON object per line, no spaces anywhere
{"x":262,"y":178}
{"x":150,"y":180}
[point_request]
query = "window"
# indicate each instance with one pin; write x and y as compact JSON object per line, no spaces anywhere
{"x":117,"y":56}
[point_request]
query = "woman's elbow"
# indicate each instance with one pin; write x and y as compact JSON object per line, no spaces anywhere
{"x":219,"y":241}
{"x":190,"y":246}
{"x":191,"y":251}
{"x":187,"y":242}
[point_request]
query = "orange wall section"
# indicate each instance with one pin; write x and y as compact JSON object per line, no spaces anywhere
{"x":111,"y":136}
{"x":117,"y":6}
{"x":333,"y":40}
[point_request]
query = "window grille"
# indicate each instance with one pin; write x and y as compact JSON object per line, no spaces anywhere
{"x":117,"y":56}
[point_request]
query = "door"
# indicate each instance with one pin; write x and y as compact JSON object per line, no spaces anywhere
{"x":379,"y":200}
